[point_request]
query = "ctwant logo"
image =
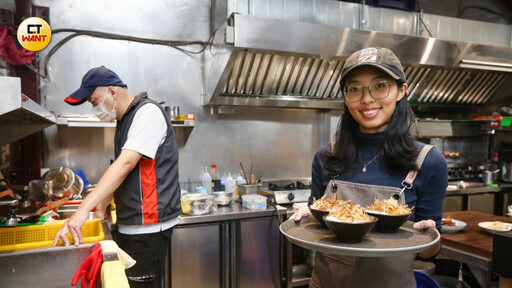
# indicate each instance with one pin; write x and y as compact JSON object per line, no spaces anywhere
{"x":34,"y":34}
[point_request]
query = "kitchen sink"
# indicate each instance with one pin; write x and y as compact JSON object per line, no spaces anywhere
{"x":49,"y":267}
{"x":52,"y":267}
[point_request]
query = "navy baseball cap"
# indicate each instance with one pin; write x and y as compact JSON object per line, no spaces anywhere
{"x":381,"y":58}
{"x":99,"y":76}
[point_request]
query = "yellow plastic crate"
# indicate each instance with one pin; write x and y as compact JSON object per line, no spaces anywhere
{"x":37,"y":236}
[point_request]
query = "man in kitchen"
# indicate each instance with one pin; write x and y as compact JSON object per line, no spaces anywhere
{"x":143,"y":179}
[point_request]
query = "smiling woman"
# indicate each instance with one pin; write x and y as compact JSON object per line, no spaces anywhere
{"x":374,"y":89}
{"x":374,"y":155}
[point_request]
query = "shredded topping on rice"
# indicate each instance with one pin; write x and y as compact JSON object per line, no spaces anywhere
{"x":329,"y":204}
{"x":389,"y":206}
{"x":350,"y":213}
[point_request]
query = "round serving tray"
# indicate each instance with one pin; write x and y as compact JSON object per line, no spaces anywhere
{"x":310,"y":234}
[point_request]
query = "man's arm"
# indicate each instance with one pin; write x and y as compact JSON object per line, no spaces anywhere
{"x":100,"y":209}
{"x":109,"y":182}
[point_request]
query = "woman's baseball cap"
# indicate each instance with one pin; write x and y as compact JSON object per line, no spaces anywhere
{"x":381,"y":58}
{"x":99,"y":76}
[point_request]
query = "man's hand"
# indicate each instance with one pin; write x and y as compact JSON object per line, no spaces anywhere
{"x":73,"y":226}
{"x":303,"y":211}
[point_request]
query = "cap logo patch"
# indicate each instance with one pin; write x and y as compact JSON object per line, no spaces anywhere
{"x":368,"y":55}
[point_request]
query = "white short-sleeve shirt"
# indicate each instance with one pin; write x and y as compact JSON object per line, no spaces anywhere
{"x":147,"y":132}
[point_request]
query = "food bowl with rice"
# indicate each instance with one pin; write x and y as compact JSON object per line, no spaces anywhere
{"x":351,"y":224}
{"x":391,"y":215}
{"x":323,"y":206}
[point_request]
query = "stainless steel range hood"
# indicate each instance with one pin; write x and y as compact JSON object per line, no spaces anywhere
{"x":275,"y":63}
{"x":19,"y":115}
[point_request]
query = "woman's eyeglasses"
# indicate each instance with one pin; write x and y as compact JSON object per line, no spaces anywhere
{"x":378,"y":89}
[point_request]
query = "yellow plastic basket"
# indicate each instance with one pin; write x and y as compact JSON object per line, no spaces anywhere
{"x":37,"y":236}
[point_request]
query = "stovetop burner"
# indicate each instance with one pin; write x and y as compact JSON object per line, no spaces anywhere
{"x":278,"y":187}
{"x":287,"y":191}
{"x":301,"y":185}
{"x":288,"y":186}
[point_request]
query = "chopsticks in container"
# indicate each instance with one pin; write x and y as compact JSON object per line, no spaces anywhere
{"x":243,"y":171}
{"x":252,"y":179}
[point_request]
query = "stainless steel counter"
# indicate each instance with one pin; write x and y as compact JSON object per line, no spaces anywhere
{"x":233,"y":211}
{"x":218,"y":249}
{"x":502,"y":187}
{"x":498,"y":193}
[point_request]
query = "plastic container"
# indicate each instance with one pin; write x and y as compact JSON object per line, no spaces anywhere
{"x":506,"y":122}
{"x":197,"y":204}
{"x":254,"y":202}
{"x":81,"y":174}
{"x":248,"y":189}
{"x":214,"y":178}
{"x":214,"y":171}
{"x":424,"y":281}
{"x":239,"y":181}
{"x":230,"y":184}
{"x":37,"y":236}
{"x":201,"y":190}
{"x":206,"y":180}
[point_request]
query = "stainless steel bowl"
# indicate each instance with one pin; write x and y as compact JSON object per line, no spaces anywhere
{"x":65,"y":183}
{"x":88,"y":189}
{"x":222,"y":201}
{"x":223,"y":198}
{"x":66,"y":211}
{"x":223,"y":194}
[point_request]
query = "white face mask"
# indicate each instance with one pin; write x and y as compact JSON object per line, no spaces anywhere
{"x":102,"y":113}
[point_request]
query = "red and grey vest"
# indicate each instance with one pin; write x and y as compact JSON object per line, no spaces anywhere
{"x":150,"y":193}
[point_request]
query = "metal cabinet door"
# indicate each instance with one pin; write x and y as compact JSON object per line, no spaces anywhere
{"x":258,"y":257}
{"x":196,"y":256}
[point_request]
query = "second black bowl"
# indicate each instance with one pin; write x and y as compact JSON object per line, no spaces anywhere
{"x":319,"y":214}
{"x":350,"y":232}
{"x":388,"y":223}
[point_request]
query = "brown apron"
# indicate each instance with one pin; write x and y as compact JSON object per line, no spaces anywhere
{"x":332,"y":270}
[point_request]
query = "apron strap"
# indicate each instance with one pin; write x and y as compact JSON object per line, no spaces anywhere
{"x":411,"y":176}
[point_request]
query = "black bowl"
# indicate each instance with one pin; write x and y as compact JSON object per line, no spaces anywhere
{"x":319,"y":214}
{"x":388,"y":223}
{"x":350,"y":232}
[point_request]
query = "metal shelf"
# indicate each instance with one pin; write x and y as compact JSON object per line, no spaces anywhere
{"x":92,"y":121}
{"x":182,"y":130}
{"x":503,"y":129}
{"x":83,"y":121}
{"x":87,"y":123}
{"x":185,"y":124}
{"x":20,"y":116}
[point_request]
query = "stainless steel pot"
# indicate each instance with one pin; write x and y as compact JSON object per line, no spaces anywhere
{"x":65,"y":183}
{"x":490,"y":177}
